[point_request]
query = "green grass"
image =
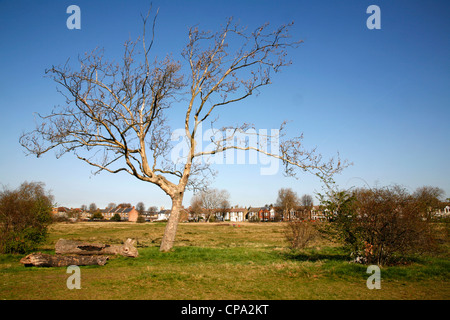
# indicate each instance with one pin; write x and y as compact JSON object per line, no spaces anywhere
{"x":218,"y":261}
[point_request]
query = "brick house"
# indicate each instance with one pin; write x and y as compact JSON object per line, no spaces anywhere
{"x":252,"y":214}
{"x":60,"y":212}
{"x":73,"y":214}
{"x":125,"y":213}
{"x":317,"y":213}
{"x":265,"y":214}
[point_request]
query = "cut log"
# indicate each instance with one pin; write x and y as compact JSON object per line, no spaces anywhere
{"x":64,"y":246}
{"x":46,"y":260}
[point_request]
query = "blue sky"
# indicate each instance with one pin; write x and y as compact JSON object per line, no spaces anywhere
{"x":379,"y":97}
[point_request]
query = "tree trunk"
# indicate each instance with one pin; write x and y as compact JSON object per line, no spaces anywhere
{"x":64,"y":246}
{"x":172,"y":225}
{"x":46,"y":260}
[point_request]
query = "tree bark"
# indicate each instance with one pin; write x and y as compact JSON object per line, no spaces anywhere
{"x":64,"y":246}
{"x":46,"y":260}
{"x":172,"y":225}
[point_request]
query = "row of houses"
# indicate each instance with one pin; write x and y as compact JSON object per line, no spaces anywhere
{"x":237,"y":214}
{"x":266,"y":213}
{"x":129,"y":213}
{"x":263,"y":214}
{"x":125,"y":213}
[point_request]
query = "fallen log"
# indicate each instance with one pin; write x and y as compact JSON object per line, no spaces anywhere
{"x":47,"y":260}
{"x":64,"y":246}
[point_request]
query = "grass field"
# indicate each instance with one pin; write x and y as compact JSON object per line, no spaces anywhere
{"x":218,"y":261}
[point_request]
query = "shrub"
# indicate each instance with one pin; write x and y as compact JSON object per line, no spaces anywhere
{"x":97,"y":215}
{"x":381,"y":225}
{"x":25,"y":214}
{"x":300,"y":233}
{"x":115,"y":217}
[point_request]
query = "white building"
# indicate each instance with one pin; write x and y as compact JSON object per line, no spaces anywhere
{"x":235,"y":214}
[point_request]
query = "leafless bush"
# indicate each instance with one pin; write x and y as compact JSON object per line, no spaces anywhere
{"x":381,"y":225}
{"x":299,"y":233}
{"x":393,"y":223}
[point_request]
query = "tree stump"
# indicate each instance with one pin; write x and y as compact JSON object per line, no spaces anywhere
{"x":46,"y":260}
{"x":64,"y":246}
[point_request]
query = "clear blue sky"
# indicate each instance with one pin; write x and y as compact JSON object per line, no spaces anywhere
{"x":379,"y":97}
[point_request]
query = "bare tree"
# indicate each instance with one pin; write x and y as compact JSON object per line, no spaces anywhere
{"x":211,"y":201}
{"x":111,"y":206}
{"x":287,"y":200}
{"x":140,"y":207}
{"x":124,"y":205}
{"x":306,"y":201}
{"x":92,"y":208}
{"x":153,"y":209}
{"x":115,"y":116}
{"x":224,"y":206}
{"x":430,"y":199}
{"x":196,"y":208}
